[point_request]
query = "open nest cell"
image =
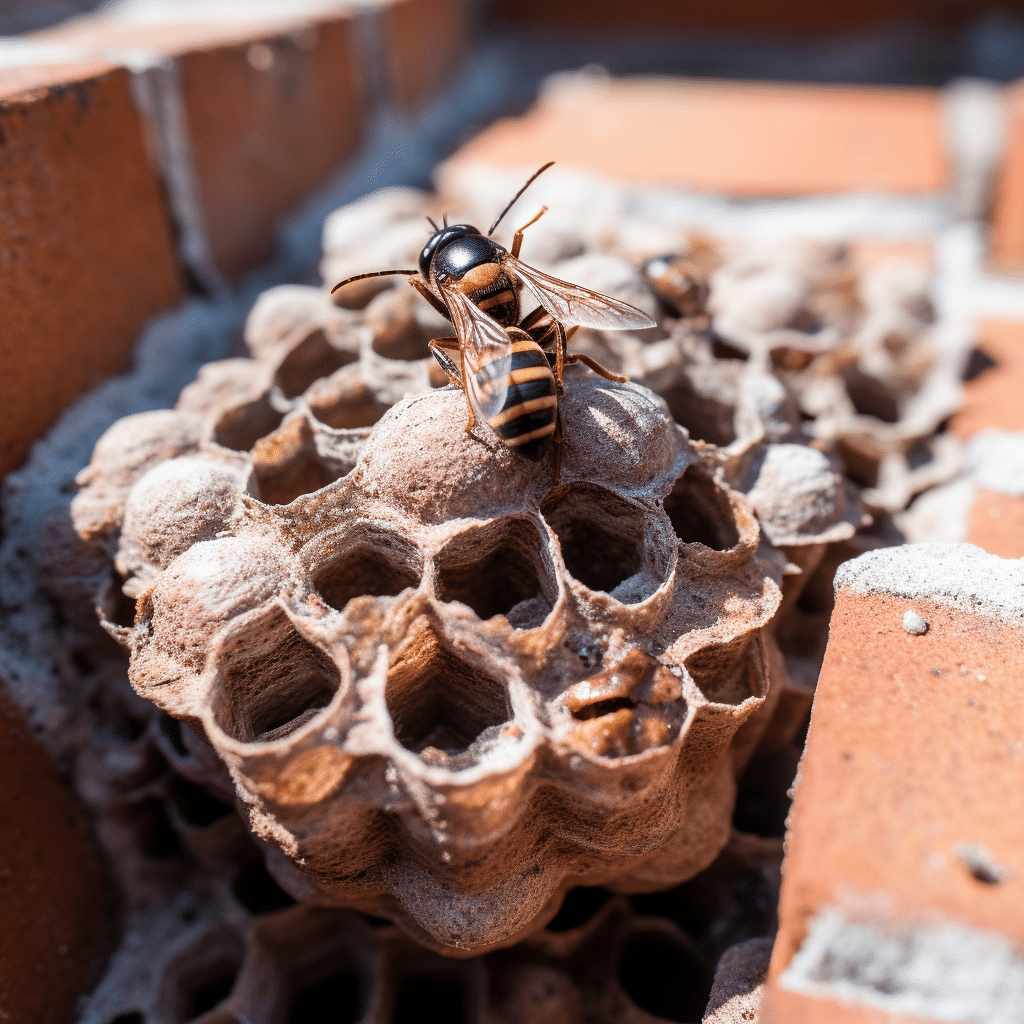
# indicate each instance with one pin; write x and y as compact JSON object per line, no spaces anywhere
{"x":440,"y":703}
{"x":701,"y":513}
{"x":368,"y":562}
{"x":498,"y":569}
{"x":271,"y":680}
{"x":728,"y":673}
{"x":240,"y":427}
{"x":602,"y":539}
{"x":288,"y":463}
{"x":313,"y":358}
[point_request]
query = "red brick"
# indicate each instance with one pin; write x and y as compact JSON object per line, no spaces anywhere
{"x":914,"y":748}
{"x":996,"y":523}
{"x":740,"y":139}
{"x":85,"y":241}
{"x":994,"y":397}
{"x":272,"y":108}
{"x":55,"y":923}
{"x":424,"y":42}
{"x":1006,"y":231}
{"x":781,"y":1007}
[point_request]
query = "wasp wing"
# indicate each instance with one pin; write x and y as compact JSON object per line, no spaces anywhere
{"x":486,"y":353}
{"x":573,"y":304}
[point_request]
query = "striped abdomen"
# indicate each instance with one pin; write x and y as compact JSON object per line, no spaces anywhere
{"x":516,"y":394}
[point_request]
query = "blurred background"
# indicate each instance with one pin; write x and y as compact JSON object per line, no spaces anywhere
{"x":906,"y":42}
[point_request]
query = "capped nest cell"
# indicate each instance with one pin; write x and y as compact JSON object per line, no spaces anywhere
{"x":447,"y":689}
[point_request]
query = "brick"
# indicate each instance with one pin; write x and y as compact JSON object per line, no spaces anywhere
{"x":1006,"y":230}
{"x":271,"y":107}
{"x":993,"y":397}
{"x":85,"y":242}
{"x":782,"y":1007}
{"x":996,"y":523}
{"x":736,"y":138}
{"x":424,"y":42}
{"x":906,"y":806}
{"x":55,"y":925}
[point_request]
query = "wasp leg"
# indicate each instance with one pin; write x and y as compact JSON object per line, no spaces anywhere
{"x":596,"y":367}
{"x":517,"y":238}
{"x":443,"y":346}
{"x":440,"y":348}
{"x":417,"y":283}
{"x":471,"y":422}
{"x":561,"y":343}
{"x":558,"y":446}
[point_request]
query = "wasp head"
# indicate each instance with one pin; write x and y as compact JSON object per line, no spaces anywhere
{"x":439,"y":239}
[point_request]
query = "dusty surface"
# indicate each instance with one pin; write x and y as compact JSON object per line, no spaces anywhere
{"x":739,"y":980}
{"x":930,"y":725}
{"x":939,"y":970}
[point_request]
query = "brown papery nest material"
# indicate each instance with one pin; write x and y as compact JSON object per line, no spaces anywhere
{"x":446,"y":690}
{"x":443,"y":691}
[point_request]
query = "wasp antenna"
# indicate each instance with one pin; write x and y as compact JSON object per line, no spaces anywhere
{"x":445,"y":220}
{"x":374,"y":273}
{"x":430,"y":221}
{"x":533,"y":177}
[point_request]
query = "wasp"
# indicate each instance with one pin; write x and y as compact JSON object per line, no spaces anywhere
{"x":509,"y":366}
{"x":680,"y":283}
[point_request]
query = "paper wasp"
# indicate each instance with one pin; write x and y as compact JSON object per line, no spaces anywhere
{"x":681,"y":284}
{"x":509,"y":367}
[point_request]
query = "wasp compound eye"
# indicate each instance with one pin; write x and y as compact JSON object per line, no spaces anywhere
{"x":439,"y":239}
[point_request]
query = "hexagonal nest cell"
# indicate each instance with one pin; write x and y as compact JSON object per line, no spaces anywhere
{"x":370,"y":563}
{"x":439,"y":705}
{"x":270,"y":680}
{"x":498,"y":570}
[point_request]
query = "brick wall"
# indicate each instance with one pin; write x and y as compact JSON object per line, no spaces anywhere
{"x":145,"y":152}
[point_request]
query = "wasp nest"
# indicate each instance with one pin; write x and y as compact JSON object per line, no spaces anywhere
{"x":446,"y":689}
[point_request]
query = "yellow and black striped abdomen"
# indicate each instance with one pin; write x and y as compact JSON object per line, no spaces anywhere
{"x":518,"y":398}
